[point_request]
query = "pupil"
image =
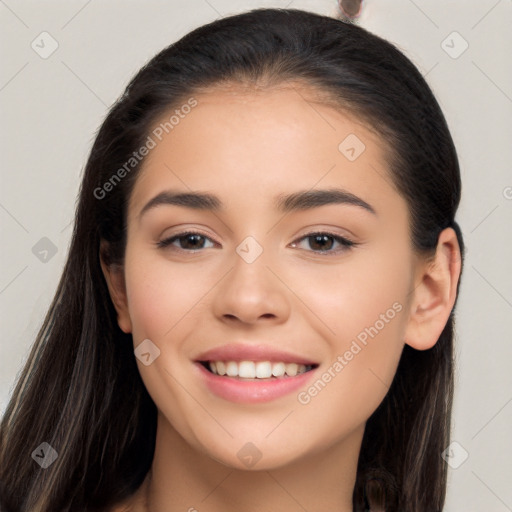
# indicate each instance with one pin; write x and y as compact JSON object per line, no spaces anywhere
{"x":318,"y":239}
{"x":196,"y":237}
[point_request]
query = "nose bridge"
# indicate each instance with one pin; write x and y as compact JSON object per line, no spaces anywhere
{"x":251,"y":290}
{"x":251,"y":264}
{"x":250,"y":249}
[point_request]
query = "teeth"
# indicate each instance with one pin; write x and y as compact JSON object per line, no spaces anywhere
{"x":263,"y":370}
{"x":278,"y":369}
{"x":231,"y":369}
{"x":247,"y":370}
{"x":292,"y":369}
{"x":219,"y":367}
{"x":256,"y":369}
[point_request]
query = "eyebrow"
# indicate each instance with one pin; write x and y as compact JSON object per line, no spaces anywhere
{"x":297,"y":201}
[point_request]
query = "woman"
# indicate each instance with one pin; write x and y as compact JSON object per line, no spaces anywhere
{"x":257,"y":307}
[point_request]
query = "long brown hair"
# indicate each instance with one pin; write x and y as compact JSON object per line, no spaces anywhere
{"x":80,"y":390}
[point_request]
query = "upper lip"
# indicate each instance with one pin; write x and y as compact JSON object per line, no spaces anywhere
{"x":243,"y":352}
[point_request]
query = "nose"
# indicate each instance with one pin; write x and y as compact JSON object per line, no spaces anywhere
{"x":252,"y":292}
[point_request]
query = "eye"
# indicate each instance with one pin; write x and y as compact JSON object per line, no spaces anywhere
{"x":189,"y":241}
{"x":322,"y":242}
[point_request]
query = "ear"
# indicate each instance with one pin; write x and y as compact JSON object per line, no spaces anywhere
{"x":114,"y":276}
{"x":435,"y":294}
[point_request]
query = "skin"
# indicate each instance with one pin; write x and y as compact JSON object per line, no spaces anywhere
{"x":246,"y":147}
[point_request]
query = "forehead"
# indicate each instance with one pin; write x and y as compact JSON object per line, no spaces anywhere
{"x":251,"y":144}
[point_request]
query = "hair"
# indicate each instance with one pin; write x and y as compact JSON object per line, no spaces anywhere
{"x":80,"y":389}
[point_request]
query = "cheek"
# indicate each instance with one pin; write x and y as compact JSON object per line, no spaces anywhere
{"x":165,"y":300}
{"x":364,"y":354}
{"x":363,"y":311}
{"x":162,"y":295}
{"x":367,"y":288}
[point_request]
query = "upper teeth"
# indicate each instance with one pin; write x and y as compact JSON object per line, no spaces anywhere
{"x":260,"y":369}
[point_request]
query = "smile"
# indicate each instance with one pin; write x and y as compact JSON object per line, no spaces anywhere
{"x":256,"y":369}
{"x":253,"y":373}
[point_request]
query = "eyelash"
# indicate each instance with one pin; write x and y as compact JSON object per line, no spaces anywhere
{"x":345,"y":242}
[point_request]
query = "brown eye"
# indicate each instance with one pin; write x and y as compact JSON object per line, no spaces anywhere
{"x":323,"y":242}
{"x":188,"y":241}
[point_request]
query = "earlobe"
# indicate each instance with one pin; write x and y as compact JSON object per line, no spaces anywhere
{"x":114,"y":276}
{"x":435,"y":293}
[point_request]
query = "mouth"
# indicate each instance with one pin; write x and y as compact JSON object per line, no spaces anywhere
{"x":256,"y":370}
{"x":251,"y":374}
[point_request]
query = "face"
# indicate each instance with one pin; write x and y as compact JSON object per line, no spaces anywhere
{"x":323,"y":286}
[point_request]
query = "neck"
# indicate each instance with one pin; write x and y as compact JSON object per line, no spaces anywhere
{"x":184,"y":479}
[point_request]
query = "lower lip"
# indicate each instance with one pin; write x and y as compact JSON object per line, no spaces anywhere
{"x":252,"y":391}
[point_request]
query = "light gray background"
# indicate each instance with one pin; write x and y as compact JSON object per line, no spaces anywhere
{"x":51,"y":109}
